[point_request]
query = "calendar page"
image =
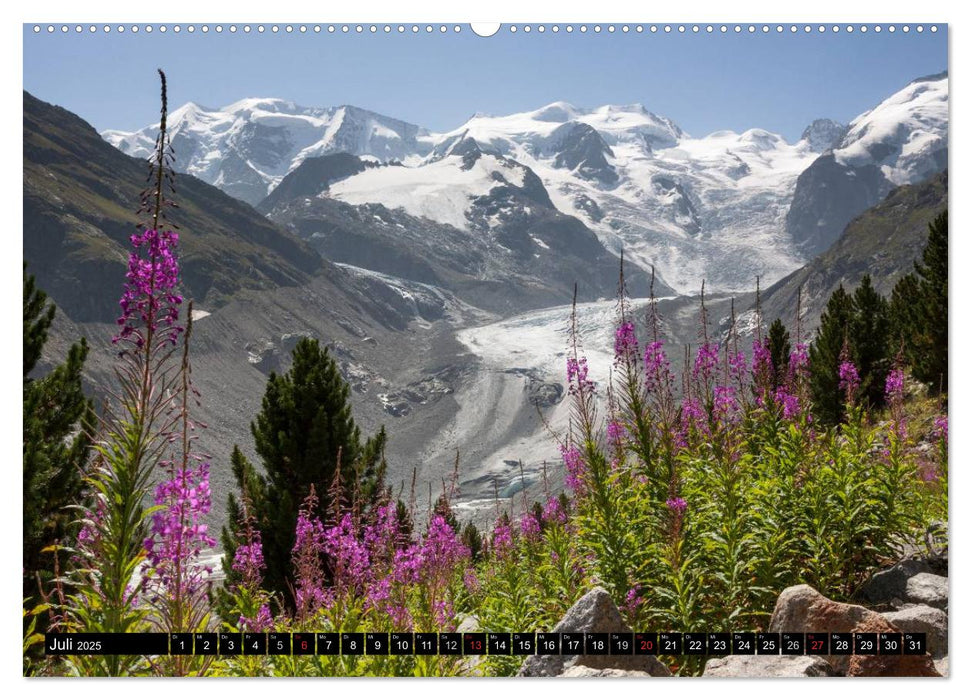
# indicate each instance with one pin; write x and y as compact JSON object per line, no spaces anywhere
{"x":582,"y":350}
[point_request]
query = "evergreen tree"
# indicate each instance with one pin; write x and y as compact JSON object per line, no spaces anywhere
{"x":869,"y":334}
{"x":780,"y":349}
{"x":303,"y":432}
{"x":824,"y":357}
{"x":919,"y":310}
{"x":58,"y":419}
{"x":472,"y":538}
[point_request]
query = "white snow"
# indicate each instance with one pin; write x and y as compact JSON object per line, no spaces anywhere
{"x":292,"y":133}
{"x":912,"y":122}
{"x":439,"y":190}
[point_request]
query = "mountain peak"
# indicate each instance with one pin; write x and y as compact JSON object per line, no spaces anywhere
{"x":555,"y":112}
{"x":823,"y":135}
{"x":263,"y":104}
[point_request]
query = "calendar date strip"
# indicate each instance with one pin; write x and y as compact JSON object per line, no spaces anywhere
{"x":488,"y":643}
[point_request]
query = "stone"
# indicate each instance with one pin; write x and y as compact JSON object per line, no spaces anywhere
{"x":594,"y":612}
{"x":942,"y":666}
{"x":803,"y":609}
{"x":927,"y":589}
{"x":768,"y":667}
{"x":923,"y":618}
{"x":889,"y":586}
{"x":469,"y":623}
{"x":587,"y":672}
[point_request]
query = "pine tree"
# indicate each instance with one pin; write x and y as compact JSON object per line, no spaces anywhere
{"x":905,"y":315}
{"x":472,"y":538}
{"x":869,"y":334}
{"x":824,"y":357}
{"x":919,"y":310}
{"x":303,"y":432}
{"x":780,"y":348}
{"x":58,"y":419}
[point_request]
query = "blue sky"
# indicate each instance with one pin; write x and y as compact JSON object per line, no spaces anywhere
{"x":703,"y":82}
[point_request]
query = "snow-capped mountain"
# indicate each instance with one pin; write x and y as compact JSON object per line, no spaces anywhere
{"x":247,"y":147}
{"x":721,"y":208}
{"x":905,"y":135}
{"x":901,"y":141}
{"x":697,"y":209}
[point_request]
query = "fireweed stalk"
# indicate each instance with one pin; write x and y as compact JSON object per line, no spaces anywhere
{"x":134,"y":436}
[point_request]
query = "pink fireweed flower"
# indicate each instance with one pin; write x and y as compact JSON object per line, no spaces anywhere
{"x":378,"y":593}
{"x":529,"y":526}
{"x":692,"y":418}
{"x":894,"y":387}
{"x":849,"y":379}
{"x":799,"y":358}
{"x":575,"y":468}
{"x":382,"y":534}
{"x":726,"y":404}
{"x":678,"y":505}
{"x":308,"y":548}
{"x":737,"y":365}
{"x":789,"y":403}
{"x":657,"y":368}
{"x":576,"y":376}
{"x":553,"y":511}
{"x":633,"y":600}
{"x":407,"y":564}
{"x":894,"y":391}
{"x":178,"y":533}
{"x":501,"y":539}
{"x":762,"y":368}
{"x":625,"y":342}
{"x":260,"y":623}
{"x":348,"y":556}
{"x":616,"y":432}
{"x":441,"y":549}
{"x":706,"y":362}
{"x":940,"y":428}
{"x":470,"y":580}
{"x":149,"y":303}
{"x":248,"y":560}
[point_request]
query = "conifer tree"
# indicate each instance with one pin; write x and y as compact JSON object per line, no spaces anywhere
{"x":919,"y":310}
{"x":869,"y":334}
{"x":824,"y":357}
{"x":57,"y":423}
{"x":780,"y":348}
{"x":303,"y":432}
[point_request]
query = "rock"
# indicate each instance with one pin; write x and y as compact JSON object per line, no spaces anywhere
{"x":768,"y":667}
{"x":927,"y":589}
{"x":889,"y":586}
{"x":587,"y":672}
{"x":469,"y":623}
{"x":594,"y":612}
{"x":942,"y":666}
{"x":804,"y":609}
{"x":264,"y":355}
{"x":923,"y":618}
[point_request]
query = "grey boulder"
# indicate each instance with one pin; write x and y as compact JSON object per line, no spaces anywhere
{"x":923,"y":618}
{"x":768,"y":667}
{"x":594,"y":612}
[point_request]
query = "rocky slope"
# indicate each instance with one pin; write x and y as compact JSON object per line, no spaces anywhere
{"x":884,"y":241}
{"x":472,"y":222}
{"x":901,"y":141}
